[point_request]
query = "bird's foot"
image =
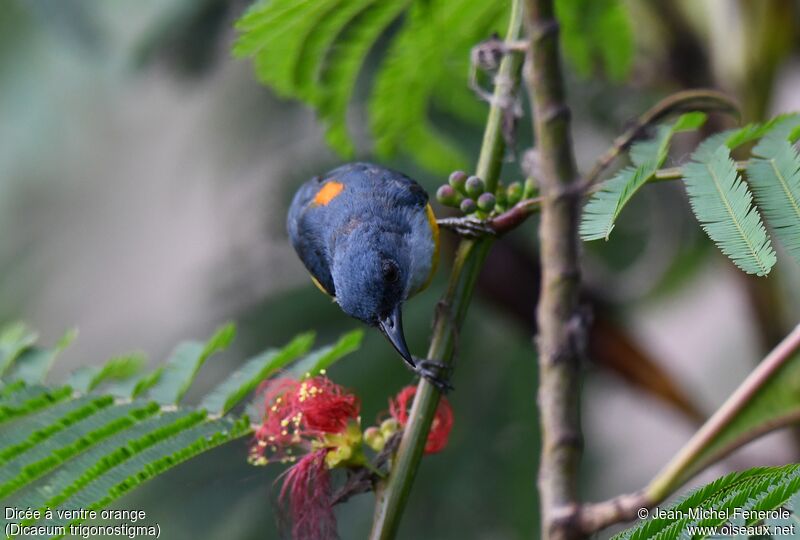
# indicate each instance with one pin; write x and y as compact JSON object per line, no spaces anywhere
{"x":437,"y":373}
{"x":468,"y":227}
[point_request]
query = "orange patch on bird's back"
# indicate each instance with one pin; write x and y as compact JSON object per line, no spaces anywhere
{"x":329,"y":191}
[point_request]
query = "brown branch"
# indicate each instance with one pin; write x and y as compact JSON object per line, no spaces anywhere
{"x":561,"y":339}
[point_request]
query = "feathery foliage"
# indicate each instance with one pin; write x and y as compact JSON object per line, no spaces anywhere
{"x":315,"y":50}
{"x":775,"y":178}
{"x":603,"y":209}
{"x":723,"y":204}
{"x":753,"y":490}
{"x":720,"y":196}
{"x":85,"y":444}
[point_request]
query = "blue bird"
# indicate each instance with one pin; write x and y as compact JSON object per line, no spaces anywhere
{"x":369,"y":238}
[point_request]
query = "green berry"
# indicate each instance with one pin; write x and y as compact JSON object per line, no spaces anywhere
{"x":474,"y":186}
{"x":447,"y":196}
{"x":457,"y":180}
{"x":531,"y":189}
{"x":514,"y":193}
{"x":486,"y":202}
{"x":468,"y":206}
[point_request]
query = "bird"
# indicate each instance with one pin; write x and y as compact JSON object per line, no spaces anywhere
{"x":369,"y":238}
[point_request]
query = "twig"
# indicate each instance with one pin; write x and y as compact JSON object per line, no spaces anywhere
{"x":691,"y":459}
{"x":392,"y":496}
{"x":516,"y":215}
{"x":688,"y":100}
{"x":561,"y":324}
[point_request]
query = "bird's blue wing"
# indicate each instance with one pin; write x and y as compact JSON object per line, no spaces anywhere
{"x":307,"y":232}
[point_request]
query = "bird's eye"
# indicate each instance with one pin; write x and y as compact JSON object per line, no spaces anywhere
{"x":390,"y":271}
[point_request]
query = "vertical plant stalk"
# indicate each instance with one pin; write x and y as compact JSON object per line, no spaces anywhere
{"x":391,"y":497}
{"x":561,"y":337}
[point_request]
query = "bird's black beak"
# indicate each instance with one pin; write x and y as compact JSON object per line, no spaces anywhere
{"x":392,"y":328}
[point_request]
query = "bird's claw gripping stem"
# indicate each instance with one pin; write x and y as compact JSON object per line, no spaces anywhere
{"x":437,"y":373}
{"x":467,"y":227}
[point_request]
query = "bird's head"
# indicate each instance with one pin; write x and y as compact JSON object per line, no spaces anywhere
{"x":371,"y":277}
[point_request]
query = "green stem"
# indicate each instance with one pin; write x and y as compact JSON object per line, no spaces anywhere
{"x":470,"y":255}
{"x":562,"y":332}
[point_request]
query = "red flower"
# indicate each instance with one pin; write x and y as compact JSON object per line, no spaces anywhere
{"x":442,"y":421}
{"x":307,"y":493}
{"x":315,"y":424}
{"x":299,"y":413}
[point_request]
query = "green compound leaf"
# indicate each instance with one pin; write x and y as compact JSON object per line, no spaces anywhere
{"x":150,"y":462}
{"x":735,"y":495}
{"x":321,"y":359}
{"x":245,"y":379}
{"x":184,"y":364}
{"x":14,"y":339}
{"x":723,"y":205}
{"x":412,"y":72}
{"x":87,"y":378}
{"x":50,"y":452}
{"x":774,"y":175}
{"x":135,"y":386}
{"x":316,"y":51}
{"x":101,"y":457}
{"x":605,"y":206}
{"x":67,"y":449}
{"x":33,"y":364}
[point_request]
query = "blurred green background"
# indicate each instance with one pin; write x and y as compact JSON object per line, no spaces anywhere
{"x":144,"y":177}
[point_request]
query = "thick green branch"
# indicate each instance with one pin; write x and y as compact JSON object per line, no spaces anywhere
{"x":452,"y":309}
{"x":561,"y":326}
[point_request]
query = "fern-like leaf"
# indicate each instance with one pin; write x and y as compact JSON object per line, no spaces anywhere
{"x":412,"y":71}
{"x":314,"y":50}
{"x":182,"y":367}
{"x":33,"y":364}
{"x":63,"y":448}
{"x":775,"y":178}
{"x":723,"y":204}
{"x":754,"y":490}
{"x":323,"y":358}
{"x":605,"y":206}
{"x":87,"y":378}
{"x":246,"y":378}
{"x":14,"y":339}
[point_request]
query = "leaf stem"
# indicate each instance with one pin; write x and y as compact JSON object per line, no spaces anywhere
{"x":562,"y":332}
{"x":687,"y":100}
{"x":452,"y":308}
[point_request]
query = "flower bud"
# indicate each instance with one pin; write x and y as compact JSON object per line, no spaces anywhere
{"x":474,"y":186}
{"x":486,"y":202}
{"x":457,"y":180}
{"x":514,"y":193}
{"x":389,"y":427}
{"x":338,"y":455}
{"x":468,"y":206}
{"x":374,"y":438}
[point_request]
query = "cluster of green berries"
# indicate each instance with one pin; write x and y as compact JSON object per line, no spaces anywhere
{"x":469,"y":194}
